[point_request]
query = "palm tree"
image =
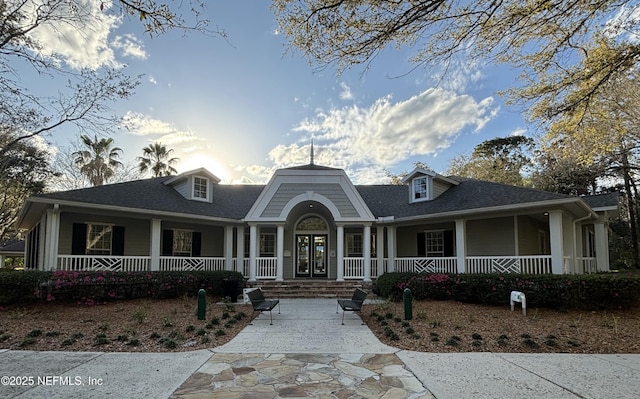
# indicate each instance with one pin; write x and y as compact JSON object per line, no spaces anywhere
{"x":155,"y":159}
{"x":99,"y":161}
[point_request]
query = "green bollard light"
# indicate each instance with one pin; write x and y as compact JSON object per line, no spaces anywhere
{"x":202,"y":304}
{"x":408,"y":310}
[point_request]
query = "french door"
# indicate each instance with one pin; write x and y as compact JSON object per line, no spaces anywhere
{"x":311,"y":255}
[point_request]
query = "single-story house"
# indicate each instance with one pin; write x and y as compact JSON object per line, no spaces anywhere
{"x":11,"y":250}
{"x":312,"y":222}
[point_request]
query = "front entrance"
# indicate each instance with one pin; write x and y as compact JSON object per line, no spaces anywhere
{"x":311,"y":255}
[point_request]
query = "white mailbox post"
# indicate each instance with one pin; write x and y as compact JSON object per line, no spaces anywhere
{"x":517,"y":296}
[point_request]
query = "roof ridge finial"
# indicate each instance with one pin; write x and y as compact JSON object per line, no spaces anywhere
{"x":311,"y":156}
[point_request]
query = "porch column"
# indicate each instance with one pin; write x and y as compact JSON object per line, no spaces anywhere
{"x":391,"y":249}
{"x":280,"y":253}
{"x":240,"y":250}
{"x":340,"y":253}
{"x":557,"y":243}
{"x":577,"y":263}
{"x":367,"y":253}
{"x":602,"y":246}
{"x":379,"y":250}
{"x":253,"y":246}
{"x":461,"y":245}
{"x":228,"y":248}
{"x":154,"y":245}
{"x":52,"y":237}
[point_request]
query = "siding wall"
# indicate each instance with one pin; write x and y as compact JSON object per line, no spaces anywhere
{"x":287,"y":191}
{"x":439,"y":188}
{"x":212,"y":237}
{"x":487,"y":237}
{"x":136,"y":232}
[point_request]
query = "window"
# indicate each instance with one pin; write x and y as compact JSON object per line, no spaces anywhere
{"x":267,"y":244}
{"x":200,"y":188}
{"x":420,"y":188}
{"x":182,"y":242}
{"x":435,"y":243}
{"x":99,"y":239}
{"x":354,"y":244}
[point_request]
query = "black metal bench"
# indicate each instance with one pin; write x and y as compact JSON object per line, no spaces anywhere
{"x":261,"y":304}
{"x":352,"y":305}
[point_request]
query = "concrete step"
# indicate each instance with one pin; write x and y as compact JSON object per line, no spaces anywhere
{"x":310,"y":288}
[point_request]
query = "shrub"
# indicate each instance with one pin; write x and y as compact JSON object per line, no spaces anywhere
{"x":590,"y":292}
{"x":96,"y":287}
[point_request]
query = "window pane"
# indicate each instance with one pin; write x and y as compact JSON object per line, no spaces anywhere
{"x":99,"y":239}
{"x":267,"y":244}
{"x":354,"y":245}
{"x":199,"y":187}
{"x":420,"y":188}
{"x":182,"y":242}
{"x":435,"y":243}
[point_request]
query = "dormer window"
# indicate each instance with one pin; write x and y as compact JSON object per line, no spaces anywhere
{"x":200,"y":188}
{"x":421,"y":188}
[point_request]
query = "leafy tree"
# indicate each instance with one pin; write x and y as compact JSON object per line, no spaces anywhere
{"x":99,"y":160}
{"x":71,"y":178}
{"x":608,"y":136}
{"x":24,"y":171}
{"x":565,"y":49}
{"x":88,"y":91}
{"x":560,"y":174}
{"x":501,"y":160}
{"x":156,"y":159}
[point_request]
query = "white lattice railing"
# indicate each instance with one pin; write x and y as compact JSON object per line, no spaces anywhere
{"x":266,"y":267}
{"x":353,"y":267}
{"x":104,"y":263}
{"x":534,"y":264}
{"x":426,"y":265}
{"x":178,"y":263}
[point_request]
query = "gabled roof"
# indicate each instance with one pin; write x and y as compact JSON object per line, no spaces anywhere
{"x":154,"y":196}
{"x":468,"y":194}
{"x":199,"y":172}
{"x":425,"y":172}
{"x":233,"y":202}
{"x":606,"y":201}
{"x":12,"y":246}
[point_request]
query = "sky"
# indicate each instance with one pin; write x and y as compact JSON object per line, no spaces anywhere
{"x":245,"y":106}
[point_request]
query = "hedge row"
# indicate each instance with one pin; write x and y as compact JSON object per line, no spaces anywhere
{"x":99,"y":287}
{"x":593,"y":291}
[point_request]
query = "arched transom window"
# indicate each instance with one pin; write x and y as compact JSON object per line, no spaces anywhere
{"x":312,"y":223}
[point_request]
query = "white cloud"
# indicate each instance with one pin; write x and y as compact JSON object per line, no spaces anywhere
{"x":519,"y":132}
{"x":130,"y":46}
{"x":178,"y":137}
{"x":82,"y":43}
{"x":345,"y":94}
{"x":625,"y":22}
{"x":365,"y":141}
{"x":142,"y":125}
{"x":79,"y":37}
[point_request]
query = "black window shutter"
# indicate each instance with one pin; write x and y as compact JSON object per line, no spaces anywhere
{"x":167,"y":242}
{"x":196,"y":243}
{"x":422,"y":244}
{"x":79,"y":239}
{"x":448,"y":242}
{"x":117,"y":241}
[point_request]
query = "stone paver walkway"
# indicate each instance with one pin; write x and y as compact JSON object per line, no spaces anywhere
{"x":290,"y":375}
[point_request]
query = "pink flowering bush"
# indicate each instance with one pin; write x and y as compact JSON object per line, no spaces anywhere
{"x":595,"y":291}
{"x":98,"y":287}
